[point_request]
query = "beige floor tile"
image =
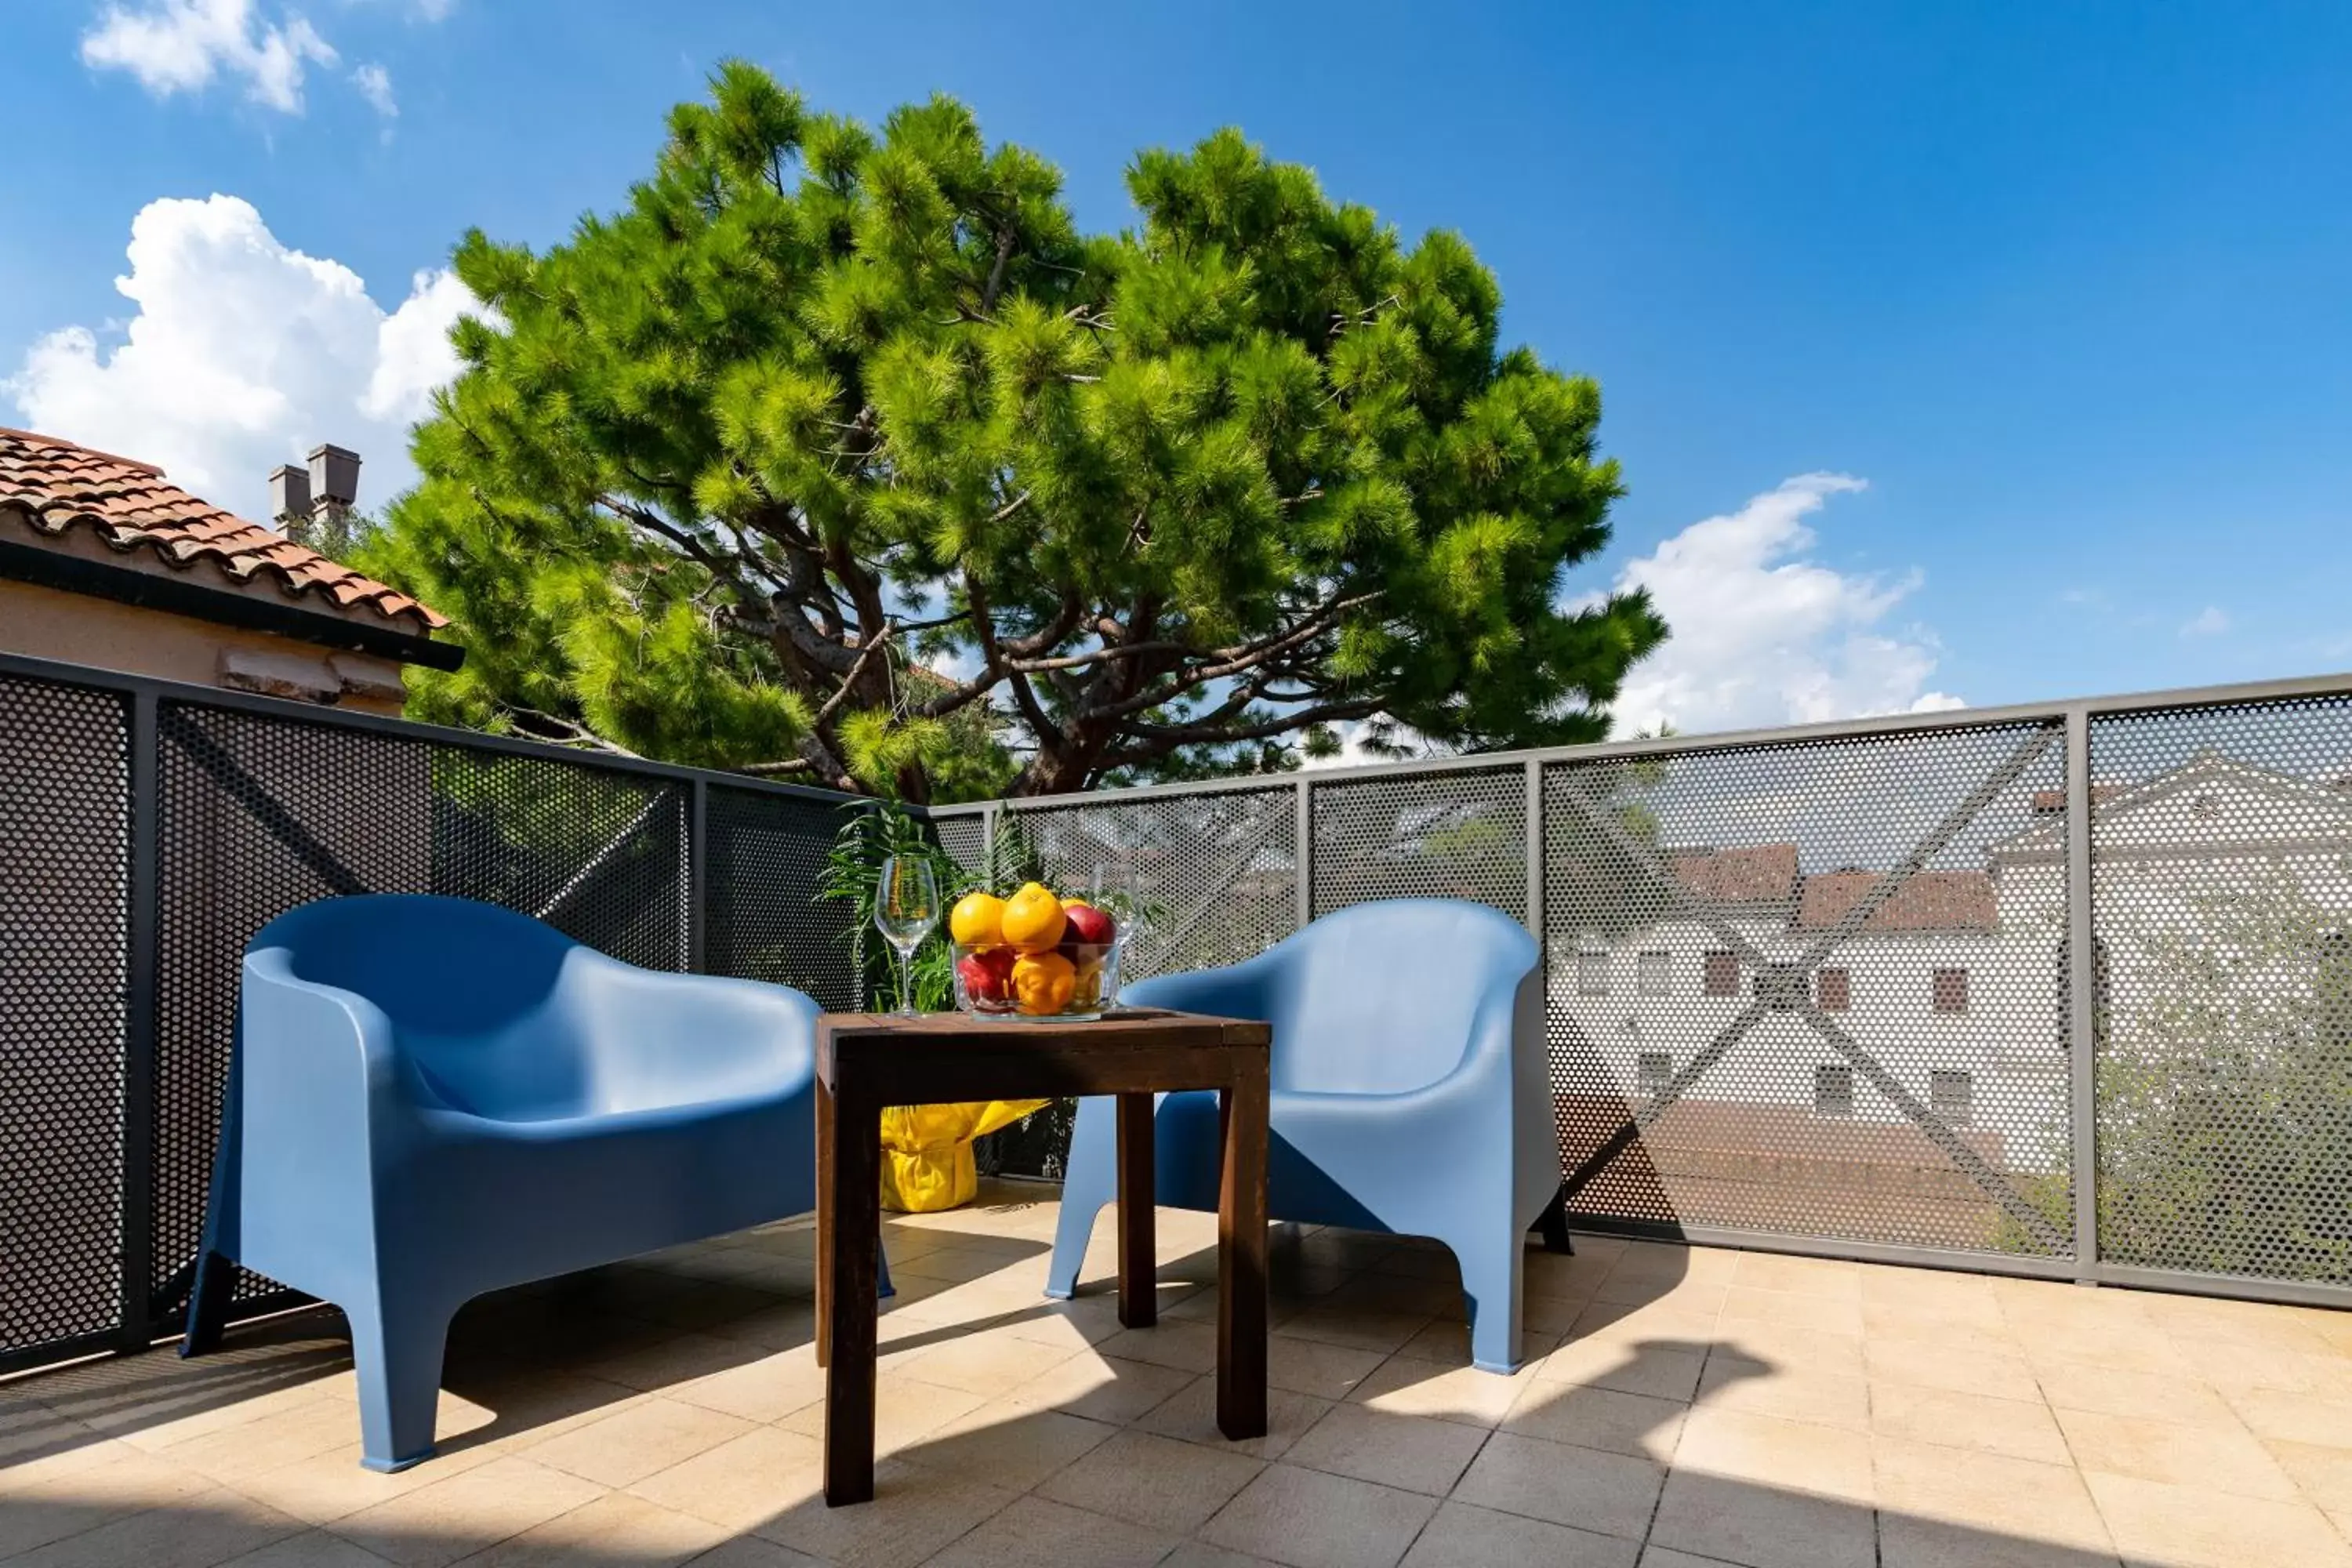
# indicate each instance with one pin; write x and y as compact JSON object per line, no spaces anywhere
{"x":1791,"y":1308}
{"x":335,"y":1485}
{"x":1997,"y":1498}
{"x":2246,"y":1367}
{"x":1313,"y":1520}
{"x":2216,"y":1458}
{"x":1034,"y":1530}
{"x":768,"y":1389}
{"x":1413,"y":1453}
{"x":742,"y":1483}
{"x":634,"y":1443}
{"x":1648,"y":1321}
{"x":757,"y":1552}
{"x":1152,"y":1480}
{"x":1762,"y":1526}
{"x":905,"y":1413}
{"x":2323,"y":1473}
{"x":986,"y":1365}
{"x":1735,"y":1381}
{"x":1908,"y":1542}
{"x":2022,"y":1429}
{"x":1666,"y":1557}
{"x":1613,"y":1493}
{"x":1663,"y":1371}
{"x":1190,"y":1413}
{"x":472,"y":1509}
{"x":1462,"y":1536}
{"x":65,"y":1500}
{"x":1601,"y":1418}
{"x":195,"y":1531}
{"x":2295,"y":1418}
{"x":1923,"y":1364}
{"x":680,"y":1358}
{"x":310,"y":1549}
{"x":229,"y":1453}
{"x":2187,"y":1527}
{"x":1007,"y":1445}
{"x":915,"y":1512}
{"x":1449,"y":1342}
{"x":2215,"y":1320}
{"x":1785,"y":1348}
{"x":1404,"y":1386}
{"x":615,"y":1528}
{"x":1101,"y":1388}
{"x":1824,"y":1277}
{"x":1793,"y":1455}
{"x":2126,"y":1346}
{"x":1309,"y":1366}
{"x":1385,"y":1331}
{"x":2111,"y":1390}
{"x":1186,"y":1346}
{"x":1201,"y":1554}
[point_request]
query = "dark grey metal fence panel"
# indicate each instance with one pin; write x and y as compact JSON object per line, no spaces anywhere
{"x":767,"y":855}
{"x":64,"y":972}
{"x":965,"y":839}
{"x":1815,"y":989}
{"x":1460,"y":834}
{"x":2221,"y":880}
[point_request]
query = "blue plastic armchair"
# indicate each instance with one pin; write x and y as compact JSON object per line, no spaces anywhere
{"x":433,"y":1098}
{"x":1409,"y":1095}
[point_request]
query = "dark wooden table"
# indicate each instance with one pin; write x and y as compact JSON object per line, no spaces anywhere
{"x":866,"y":1061}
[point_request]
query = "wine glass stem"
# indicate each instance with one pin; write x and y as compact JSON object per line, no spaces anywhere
{"x":905,"y":983}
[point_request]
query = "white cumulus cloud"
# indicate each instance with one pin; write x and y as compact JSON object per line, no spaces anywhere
{"x":242,"y":354}
{"x":182,"y":45}
{"x":375,"y":85}
{"x":2209,"y":622}
{"x":1764,"y":634}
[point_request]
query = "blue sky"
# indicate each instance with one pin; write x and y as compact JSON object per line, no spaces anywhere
{"x":2067,"y":287}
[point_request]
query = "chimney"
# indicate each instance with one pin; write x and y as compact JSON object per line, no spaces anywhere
{"x":334,"y":476}
{"x":290,"y":496}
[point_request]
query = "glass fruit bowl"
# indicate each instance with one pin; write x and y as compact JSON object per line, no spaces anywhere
{"x":1072,"y":982}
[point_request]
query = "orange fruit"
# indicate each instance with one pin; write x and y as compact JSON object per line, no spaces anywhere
{"x":1033,"y":919}
{"x":1043,"y":983}
{"x":978,"y":920}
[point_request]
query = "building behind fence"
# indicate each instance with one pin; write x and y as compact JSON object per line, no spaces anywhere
{"x":1812,"y":990}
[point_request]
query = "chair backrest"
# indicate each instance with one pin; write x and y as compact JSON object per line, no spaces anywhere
{"x":1378,"y":998}
{"x":473,"y":992}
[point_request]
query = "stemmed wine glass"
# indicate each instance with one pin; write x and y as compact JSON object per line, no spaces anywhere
{"x":906,"y":907}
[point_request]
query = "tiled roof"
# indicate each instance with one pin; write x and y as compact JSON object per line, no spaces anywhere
{"x":1928,"y":900}
{"x":1760,"y":874}
{"x":53,"y":484}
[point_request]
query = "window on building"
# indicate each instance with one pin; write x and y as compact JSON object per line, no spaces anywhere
{"x":1722,"y":975}
{"x":1592,"y":973}
{"x":1832,"y":990}
{"x":1657,"y":974}
{"x":1952,"y":1095}
{"x":1832,"y":1091}
{"x":1952,"y":990}
{"x":1652,"y":1071}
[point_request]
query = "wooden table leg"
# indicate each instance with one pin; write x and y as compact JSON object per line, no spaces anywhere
{"x":1138,"y":1246}
{"x":1240,"y":1257}
{"x":825,"y":1136}
{"x":849,"y":1300}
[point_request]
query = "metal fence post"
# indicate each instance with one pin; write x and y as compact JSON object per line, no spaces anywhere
{"x":2082,"y":998}
{"x":1303,"y":835}
{"x":142,"y":931}
{"x":1534,"y":814}
{"x":988,"y":846}
{"x":698,"y":877}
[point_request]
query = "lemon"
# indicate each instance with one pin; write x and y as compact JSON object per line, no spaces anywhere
{"x":978,"y":920}
{"x":1033,"y":919}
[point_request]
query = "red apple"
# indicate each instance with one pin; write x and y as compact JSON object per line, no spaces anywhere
{"x":1090,"y":925}
{"x":984,"y":981}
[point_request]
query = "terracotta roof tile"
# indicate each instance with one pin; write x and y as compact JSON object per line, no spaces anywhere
{"x":1929,"y":900}
{"x":1760,"y":874}
{"x":126,"y":503}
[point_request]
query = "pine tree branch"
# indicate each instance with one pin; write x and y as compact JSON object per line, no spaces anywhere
{"x":1226,"y":664}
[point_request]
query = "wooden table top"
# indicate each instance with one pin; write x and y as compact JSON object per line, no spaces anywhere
{"x":1129,"y":1028}
{"x":936,"y":1058}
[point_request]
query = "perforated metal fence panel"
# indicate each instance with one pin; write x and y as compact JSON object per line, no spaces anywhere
{"x":1815,"y":990}
{"x":965,"y":839}
{"x":65,"y":814}
{"x":1214,"y":874}
{"x":2221,"y":880}
{"x":767,"y":856}
{"x":1451,"y":835}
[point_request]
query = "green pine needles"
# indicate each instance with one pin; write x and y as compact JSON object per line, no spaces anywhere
{"x":846,"y":456}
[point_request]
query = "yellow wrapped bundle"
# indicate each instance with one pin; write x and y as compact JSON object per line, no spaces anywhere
{"x":927,"y":1163}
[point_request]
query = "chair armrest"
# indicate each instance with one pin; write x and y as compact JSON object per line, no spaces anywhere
{"x":676,"y":1039}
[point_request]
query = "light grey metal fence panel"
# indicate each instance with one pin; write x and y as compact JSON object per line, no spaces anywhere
{"x":65,"y":817}
{"x":1454,"y":835}
{"x":2222,"y":877}
{"x":1214,"y":873}
{"x":965,"y":839}
{"x":1815,"y":989}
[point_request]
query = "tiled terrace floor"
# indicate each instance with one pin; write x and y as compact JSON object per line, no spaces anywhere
{"x":1681,"y":1408}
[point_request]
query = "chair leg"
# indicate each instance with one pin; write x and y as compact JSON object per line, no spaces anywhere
{"x":1086,"y":1186}
{"x":1552,"y":1224}
{"x":208,"y":1301}
{"x":397,"y":1354}
{"x":1491,"y":1271}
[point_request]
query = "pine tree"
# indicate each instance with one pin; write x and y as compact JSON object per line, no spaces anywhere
{"x":848,"y":457}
